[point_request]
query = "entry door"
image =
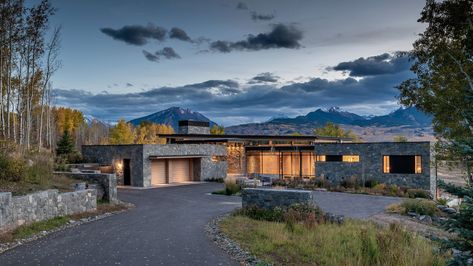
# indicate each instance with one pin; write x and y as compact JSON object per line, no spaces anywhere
{"x":126,"y":172}
{"x":158,"y":172}
{"x":179,"y":170}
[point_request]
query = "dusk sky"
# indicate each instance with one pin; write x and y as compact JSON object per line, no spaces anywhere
{"x":233,"y":61}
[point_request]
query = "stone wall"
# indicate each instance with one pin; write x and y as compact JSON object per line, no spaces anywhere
{"x":107,"y":184}
{"x":370,"y":166}
{"x":111,"y":154}
{"x":271,"y":198}
{"x":43,"y":205}
{"x":207,"y":169}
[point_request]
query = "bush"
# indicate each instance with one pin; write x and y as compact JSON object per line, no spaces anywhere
{"x":420,"y":206}
{"x":12,"y":169}
{"x":297,"y":213}
{"x":231,"y":188}
{"x":418,"y":193}
{"x":371,"y":183}
{"x":351,"y":182}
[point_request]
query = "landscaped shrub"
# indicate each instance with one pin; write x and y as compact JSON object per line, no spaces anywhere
{"x":231,"y":188}
{"x":420,"y":206}
{"x":297,"y":213}
{"x":12,"y":169}
{"x":351,"y":182}
{"x":371,"y":183}
{"x":418,"y":193}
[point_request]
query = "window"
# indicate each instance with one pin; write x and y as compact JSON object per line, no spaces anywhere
{"x":338,"y":158}
{"x":351,"y":158}
{"x":402,"y":164}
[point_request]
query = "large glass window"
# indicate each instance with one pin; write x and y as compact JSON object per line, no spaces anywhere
{"x":339,"y":158}
{"x":402,"y":164}
{"x":290,"y":164}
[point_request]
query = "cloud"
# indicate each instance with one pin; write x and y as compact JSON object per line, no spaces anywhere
{"x":128,"y":84}
{"x":166,"y":52}
{"x":281,"y":36}
{"x":230,"y":102}
{"x":151,"y":57}
{"x":242,"y":6}
{"x":256,"y":16}
{"x":180,"y":34}
{"x":136,"y":34}
{"x":264,"y":77}
{"x":375,"y":65}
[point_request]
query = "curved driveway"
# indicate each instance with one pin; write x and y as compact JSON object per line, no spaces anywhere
{"x":165,"y":228}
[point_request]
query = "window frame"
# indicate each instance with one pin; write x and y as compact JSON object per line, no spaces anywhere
{"x":417,"y":163}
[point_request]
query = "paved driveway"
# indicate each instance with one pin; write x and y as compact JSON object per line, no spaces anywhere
{"x":165,"y":228}
{"x":352,"y":205}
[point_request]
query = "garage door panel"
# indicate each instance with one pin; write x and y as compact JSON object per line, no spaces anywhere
{"x":158,"y":172}
{"x":179,"y":170}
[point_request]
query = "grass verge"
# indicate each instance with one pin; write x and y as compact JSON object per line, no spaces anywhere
{"x":352,"y":243}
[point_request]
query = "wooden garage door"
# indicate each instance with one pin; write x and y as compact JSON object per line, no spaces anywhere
{"x":158,"y":172}
{"x":179,"y":170}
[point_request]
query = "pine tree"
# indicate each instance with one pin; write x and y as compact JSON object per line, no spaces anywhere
{"x":65,"y":146}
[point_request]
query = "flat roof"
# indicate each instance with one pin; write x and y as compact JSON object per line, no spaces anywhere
{"x":156,"y":157}
{"x":250,"y":137}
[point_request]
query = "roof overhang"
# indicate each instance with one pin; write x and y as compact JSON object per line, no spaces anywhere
{"x":160,"y":157}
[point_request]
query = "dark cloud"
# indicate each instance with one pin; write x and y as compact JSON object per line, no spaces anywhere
{"x":230,"y":102}
{"x":264,"y":77}
{"x":281,"y":36}
{"x":256,"y":16}
{"x":375,"y":65}
{"x":129,"y":84}
{"x":136,"y":34}
{"x":166,"y":52}
{"x":151,"y":57}
{"x":180,"y":34}
{"x":242,"y":6}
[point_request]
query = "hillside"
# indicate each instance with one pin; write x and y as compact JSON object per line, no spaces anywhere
{"x":172,"y":116}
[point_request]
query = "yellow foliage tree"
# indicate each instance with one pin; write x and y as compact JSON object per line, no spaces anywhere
{"x":334,"y":130}
{"x":67,"y":119}
{"x":122,"y":133}
{"x":217,"y":130}
{"x":147,"y":133}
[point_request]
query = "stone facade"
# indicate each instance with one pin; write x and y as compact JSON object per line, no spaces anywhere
{"x":140,"y":164}
{"x":204,"y":169}
{"x":111,"y":154}
{"x":272,"y":198}
{"x":370,"y":166}
{"x":107,"y":184}
{"x":194,"y":127}
{"x":43,"y":205}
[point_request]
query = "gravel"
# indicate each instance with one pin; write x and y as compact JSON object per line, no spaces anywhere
{"x":228,"y":245}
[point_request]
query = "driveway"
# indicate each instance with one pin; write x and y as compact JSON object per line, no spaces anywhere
{"x":165,"y":228}
{"x":352,"y":205}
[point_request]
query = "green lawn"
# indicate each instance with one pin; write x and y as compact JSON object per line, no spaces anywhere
{"x":353,"y":243}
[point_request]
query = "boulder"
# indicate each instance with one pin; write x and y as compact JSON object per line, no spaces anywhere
{"x":450,"y":210}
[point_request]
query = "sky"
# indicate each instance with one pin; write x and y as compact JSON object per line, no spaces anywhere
{"x":233,"y":61}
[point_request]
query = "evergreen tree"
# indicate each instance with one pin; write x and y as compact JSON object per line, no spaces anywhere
{"x":65,"y":145}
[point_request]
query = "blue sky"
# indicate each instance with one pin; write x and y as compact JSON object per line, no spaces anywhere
{"x":293,"y":49}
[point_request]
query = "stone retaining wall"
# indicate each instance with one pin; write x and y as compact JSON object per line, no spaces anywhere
{"x":271,"y":198}
{"x":107,"y":184}
{"x":43,"y":205}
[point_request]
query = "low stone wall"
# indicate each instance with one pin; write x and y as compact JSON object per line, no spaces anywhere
{"x":107,"y":184}
{"x":271,"y":198}
{"x":43,"y":205}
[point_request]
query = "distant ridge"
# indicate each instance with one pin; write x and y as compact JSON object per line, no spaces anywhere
{"x":172,"y":116}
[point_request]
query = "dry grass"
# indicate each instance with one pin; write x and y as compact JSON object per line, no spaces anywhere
{"x":62,"y":183}
{"x":353,"y":243}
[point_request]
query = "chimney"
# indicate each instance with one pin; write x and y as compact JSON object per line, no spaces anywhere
{"x":194,"y":127}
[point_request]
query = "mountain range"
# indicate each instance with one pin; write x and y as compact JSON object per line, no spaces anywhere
{"x":410,"y":122}
{"x":172,"y":116}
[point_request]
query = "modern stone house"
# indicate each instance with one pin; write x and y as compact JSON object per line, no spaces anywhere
{"x":195,"y":155}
